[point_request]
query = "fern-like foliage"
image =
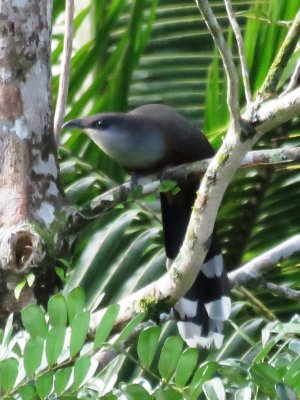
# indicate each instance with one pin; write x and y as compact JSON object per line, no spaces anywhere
{"x":54,"y":358}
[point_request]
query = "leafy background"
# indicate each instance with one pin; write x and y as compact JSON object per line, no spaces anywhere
{"x":128,"y":53}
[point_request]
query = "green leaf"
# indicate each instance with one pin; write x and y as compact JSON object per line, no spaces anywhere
{"x":62,"y":380}
{"x":133,"y":392}
{"x":18,"y":289}
{"x":61,"y":274}
{"x":169,"y":186}
{"x":129,"y":328}
{"x":186,"y":365}
{"x":55,"y":343}
{"x":79,"y":330}
{"x":292,"y":375}
{"x":8,"y":374}
{"x":167,"y":394}
{"x":109,"y":397}
{"x":28,"y":392}
{"x":202,"y":374}
{"x":57,"y":310}
{"x":75,"y":303}
{"x":30,"y":279}
{"x":266,"y":372}
{"x":265,"y":376}
{"x":44,"y":385}
{"x":169,"y":356}
{"x":106,"y":324}
{"x":33,"y":354}
{"x":234,"y":373}
{"x":34,"y":321}
{"x":214,"y":389}
{"x":147,"y":345}
{"x":81,"y":369}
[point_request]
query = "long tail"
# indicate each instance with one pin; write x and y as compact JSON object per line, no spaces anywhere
{"x":204,"y":308}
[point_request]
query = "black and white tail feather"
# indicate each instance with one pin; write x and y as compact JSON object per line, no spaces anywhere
{"x":204,"y":308}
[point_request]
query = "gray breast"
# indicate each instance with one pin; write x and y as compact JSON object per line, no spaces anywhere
{"x":131,"y":149}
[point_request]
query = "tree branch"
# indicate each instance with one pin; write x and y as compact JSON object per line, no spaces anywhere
{"x":241,"y":49}
{"x":120,"y":194}
{"x":278,"y":290}
{"x":293,"y":81}
{"x":185,"y":267}
{"x":231,"y":73}
{"x":65,"y":70}
{"x":257,"y":120}
{"x":264,"y":262}
{"x":248,"y":275}
{"x":284,"y":54}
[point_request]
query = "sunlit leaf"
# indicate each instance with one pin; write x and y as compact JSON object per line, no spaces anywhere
{"x":214,"y":389}
{"x":106,"y":324}
{"x":129,"y":328}
{"x":33,"y":319}
{"x":63,"y":379}
{"x":169,"y":356}
{"x":147,"y":345}
{"x":75,"y":302}
{"x":8,"y":373}
{"x":186,"y":365}
{"x":54,"y":343}
{"x":79,"y":330}
{"x":57,"y":311}
{"x":33,"y":353}
{"x":81,"y":368}
{"x":44,"y":385}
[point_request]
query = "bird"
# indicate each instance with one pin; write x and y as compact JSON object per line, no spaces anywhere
{"x":144,"y":141}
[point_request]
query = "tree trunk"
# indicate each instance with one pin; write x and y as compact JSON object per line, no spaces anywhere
{"x":32,"y":206}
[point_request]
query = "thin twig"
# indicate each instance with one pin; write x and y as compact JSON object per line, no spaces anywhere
{"x":65,"y":70}
{"x":257,"y":303}
{"x":241,"y":49}
{"x":283,"y":56}
{"x":278,"y":290}
{"x":293,"y":81}
{"x":231,"y":73}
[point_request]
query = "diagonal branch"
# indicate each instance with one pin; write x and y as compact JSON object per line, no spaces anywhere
{"x":231,"y":73}
{"x":65,"y":71}
{"x":256,"y":122}
{"x":172,"y":285}
{"x":241,"y":49}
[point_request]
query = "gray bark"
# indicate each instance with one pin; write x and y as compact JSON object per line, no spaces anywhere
{"x":32,"y":210}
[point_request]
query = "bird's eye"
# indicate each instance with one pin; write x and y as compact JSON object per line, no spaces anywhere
{"x":100,"y":124}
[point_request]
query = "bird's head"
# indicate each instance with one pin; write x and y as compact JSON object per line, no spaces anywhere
{"x":117,"y":135}
{"x":94,"y":123}
{"x":101,"y":128}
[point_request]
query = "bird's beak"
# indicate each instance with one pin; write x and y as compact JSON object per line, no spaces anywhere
{"x":74,"y":124}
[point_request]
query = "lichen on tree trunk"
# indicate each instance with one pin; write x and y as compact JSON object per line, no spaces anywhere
{"x":32,"y":207}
